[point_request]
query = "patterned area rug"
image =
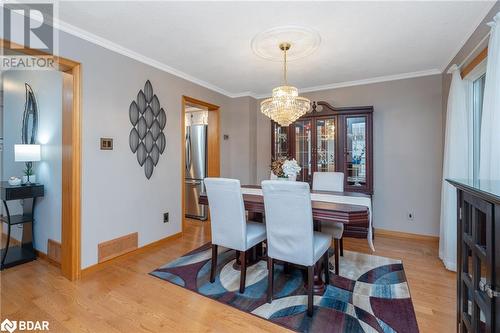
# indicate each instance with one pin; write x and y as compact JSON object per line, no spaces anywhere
{"x":370,"y":295}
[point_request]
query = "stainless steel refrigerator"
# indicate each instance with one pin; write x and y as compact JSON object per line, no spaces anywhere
{"x":196,"y":170}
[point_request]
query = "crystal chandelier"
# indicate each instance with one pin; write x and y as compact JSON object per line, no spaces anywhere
{"x":285,"y":106}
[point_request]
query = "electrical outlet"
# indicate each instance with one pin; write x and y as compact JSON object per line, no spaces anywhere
{"x":165,"y":217}
{"x":410,"y":216}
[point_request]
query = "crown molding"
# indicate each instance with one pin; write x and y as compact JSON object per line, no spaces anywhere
{"x":466,"y":39}
{"x":105,"y":43}
{"x":364,"y":81}
{"x":244,"y":94}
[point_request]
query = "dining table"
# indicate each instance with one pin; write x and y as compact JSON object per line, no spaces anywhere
{"x":322,"y":212}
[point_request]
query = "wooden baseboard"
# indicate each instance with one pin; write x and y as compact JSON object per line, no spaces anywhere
{"x":400,"y":234}
{"x":138,"y":250}
{"x":45,"y":257}
{"x":54,"y":250}
{"x":116,"y":247}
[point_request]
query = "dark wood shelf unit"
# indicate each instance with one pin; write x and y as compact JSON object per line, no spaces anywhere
{"x":13,"y":255}
{"x":324,"y":140}
{"x":17,"y":255}
{"x":17,"y":219}
{"x":478,"y":255}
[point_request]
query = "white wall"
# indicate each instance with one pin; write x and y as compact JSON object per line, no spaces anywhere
{"x":47,"y":86}
{"x":407,"y":153}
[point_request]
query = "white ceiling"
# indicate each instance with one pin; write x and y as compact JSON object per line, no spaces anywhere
{"x":209,"y":42}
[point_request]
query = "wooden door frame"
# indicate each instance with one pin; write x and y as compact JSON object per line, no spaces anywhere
{"x":71,"y":163}
{"x":213,"y":146}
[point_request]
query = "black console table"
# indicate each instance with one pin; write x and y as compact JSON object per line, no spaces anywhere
{"x":25,"y":251}
{"x":478,"y":255}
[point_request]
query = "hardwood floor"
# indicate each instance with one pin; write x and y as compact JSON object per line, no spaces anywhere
{"x":122,"y":297}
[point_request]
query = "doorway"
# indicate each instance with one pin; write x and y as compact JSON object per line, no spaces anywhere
{"x":200,"y":153}
{"x":71,"y":157}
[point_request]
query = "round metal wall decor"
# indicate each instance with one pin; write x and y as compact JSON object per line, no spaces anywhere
{"x":148,"y":120}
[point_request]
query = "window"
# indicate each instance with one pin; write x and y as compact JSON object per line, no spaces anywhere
{"x":475,"y":81}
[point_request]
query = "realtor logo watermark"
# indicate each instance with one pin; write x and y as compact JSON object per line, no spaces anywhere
{"x":28,"y":26}
{"x":23,"y":325}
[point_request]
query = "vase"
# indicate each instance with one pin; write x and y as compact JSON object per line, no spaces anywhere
{"x":288,"y":178}
{"x":14,"y":181}
{"x":32,"y":179}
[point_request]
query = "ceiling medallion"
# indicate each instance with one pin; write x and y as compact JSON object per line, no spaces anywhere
{"x":305,"y":42}
{"x":285,"y":106}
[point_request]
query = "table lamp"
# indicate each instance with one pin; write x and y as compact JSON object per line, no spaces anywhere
{"x":29,"y":154}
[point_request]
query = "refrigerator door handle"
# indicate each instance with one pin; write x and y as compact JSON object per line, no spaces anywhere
{"x":188,"y":149}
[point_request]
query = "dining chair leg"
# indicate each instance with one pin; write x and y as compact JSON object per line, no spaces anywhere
{"x":336,"y":251}
{"x":243,"y":267}
{"x":310,"y":293}
{"x":326,"y":268}
{"x":270,"y":279}
{"x":237,"y":257}
{"x":342,"y":246}
{"x":214,"y":263}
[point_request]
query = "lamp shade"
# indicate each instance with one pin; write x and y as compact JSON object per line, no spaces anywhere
{"x":27,"y":153}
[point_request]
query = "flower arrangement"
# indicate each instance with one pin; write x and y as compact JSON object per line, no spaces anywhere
{"x":277,"y":167}
{"x":285,"y":168}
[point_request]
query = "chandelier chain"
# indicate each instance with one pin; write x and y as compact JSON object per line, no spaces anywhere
{"x":284,"y":67}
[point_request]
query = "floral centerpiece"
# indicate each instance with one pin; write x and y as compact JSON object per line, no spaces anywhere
{"x":285,"y":168}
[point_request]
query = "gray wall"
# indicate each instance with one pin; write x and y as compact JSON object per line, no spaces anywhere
{"x":407,"y":148}
{"x":47,"y":86}
{"x":239,"y":150}
{"x":117,"y":199}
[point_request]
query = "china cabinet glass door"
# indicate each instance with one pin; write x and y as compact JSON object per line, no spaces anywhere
{"x":326,"y":144}
{"x":303,"y":148}
{"x":355,"y":151}
{"x":281,"y":142}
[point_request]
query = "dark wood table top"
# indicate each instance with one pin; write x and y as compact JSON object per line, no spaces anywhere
{"x":322,"y":211}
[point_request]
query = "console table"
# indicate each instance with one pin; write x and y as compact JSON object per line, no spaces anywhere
{"x":25,"y":251}
{"x":478,"y":255}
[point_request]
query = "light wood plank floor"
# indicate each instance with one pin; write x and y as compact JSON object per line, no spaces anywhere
{"x":122,"y":297}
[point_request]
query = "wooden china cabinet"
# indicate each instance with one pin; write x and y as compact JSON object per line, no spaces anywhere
{"x":478,"y":255}
{"x":331,"y":139}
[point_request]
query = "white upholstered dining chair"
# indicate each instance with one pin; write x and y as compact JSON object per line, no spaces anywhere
{"x":229,"y":224}
{"x":290,"y":235}
{"x":332,"y":181}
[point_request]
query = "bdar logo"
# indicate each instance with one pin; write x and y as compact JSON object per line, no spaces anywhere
{"x":8,"y":325}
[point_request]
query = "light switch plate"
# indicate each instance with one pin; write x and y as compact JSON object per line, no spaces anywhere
{"x":106,"y":144}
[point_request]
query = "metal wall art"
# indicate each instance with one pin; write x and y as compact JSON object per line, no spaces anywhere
{"x":148,"y":120}
{"x":30,"y":117}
